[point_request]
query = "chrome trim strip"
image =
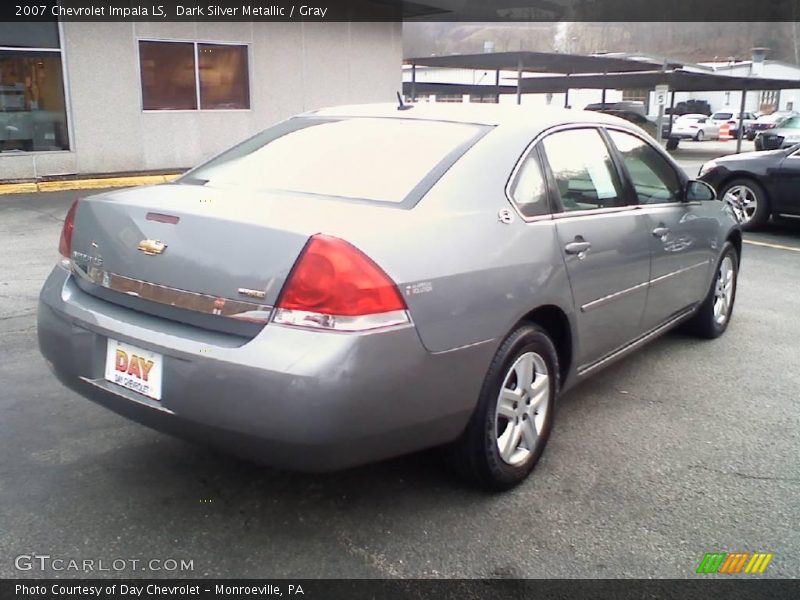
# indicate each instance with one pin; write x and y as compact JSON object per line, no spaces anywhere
{"x":605,"y":299}
{"x":162,"y":294}
{"x":679,"y":271}
{"x":118,"y":390}
{"x":619,"y":352}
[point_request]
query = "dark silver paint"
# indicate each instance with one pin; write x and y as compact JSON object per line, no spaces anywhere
{"x":315,"y":400}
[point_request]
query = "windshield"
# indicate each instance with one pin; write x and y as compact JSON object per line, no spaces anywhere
{"x":791,"y":123}
{"x":364,"y":158}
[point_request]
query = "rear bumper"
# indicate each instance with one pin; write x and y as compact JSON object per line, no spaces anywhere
{"x":290,"y":398}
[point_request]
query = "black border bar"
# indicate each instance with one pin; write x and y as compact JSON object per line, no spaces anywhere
{"x":402,"y":10}
{"x":704,"y":586}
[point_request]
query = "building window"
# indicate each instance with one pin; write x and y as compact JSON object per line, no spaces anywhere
{"x":33,"y":109}
{"x":192,"y":75}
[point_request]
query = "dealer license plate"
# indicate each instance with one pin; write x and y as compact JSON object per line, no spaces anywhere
{"x":134,"y":368}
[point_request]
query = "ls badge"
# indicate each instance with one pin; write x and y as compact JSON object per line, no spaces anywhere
{"x":152,"y":247}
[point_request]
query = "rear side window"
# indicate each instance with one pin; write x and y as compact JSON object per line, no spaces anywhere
{"x":653,"y":178}
{"x":529,"y":190}
{"x":383,"y":160}
{"x":583,"y":170}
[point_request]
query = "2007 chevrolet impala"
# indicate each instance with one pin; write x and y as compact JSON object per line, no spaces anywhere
{"x":361,"y":282}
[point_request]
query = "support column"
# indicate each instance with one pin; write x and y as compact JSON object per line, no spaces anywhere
{"x":740,"y":129}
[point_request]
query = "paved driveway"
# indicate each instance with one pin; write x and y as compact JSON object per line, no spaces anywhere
{"x":686,"y":448}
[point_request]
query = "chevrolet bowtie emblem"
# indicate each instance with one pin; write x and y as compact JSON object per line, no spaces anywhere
{"x":151,"y":247}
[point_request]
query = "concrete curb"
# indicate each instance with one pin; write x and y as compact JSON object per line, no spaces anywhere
{"x":84,"y":184}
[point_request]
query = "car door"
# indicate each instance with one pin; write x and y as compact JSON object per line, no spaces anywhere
{"x":711,"y":129}
{"x":603,"y":238}
{"x":786,"y":178}
{"x":680,"y":235}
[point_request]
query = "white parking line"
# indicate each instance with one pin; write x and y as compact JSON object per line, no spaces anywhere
{"x":776,"y":246}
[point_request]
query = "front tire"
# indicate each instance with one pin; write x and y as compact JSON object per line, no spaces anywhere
{"x":712,"y":318}
{"x":700,"y":136}
{"x":509,"y":429}
{"x":749,"y":200}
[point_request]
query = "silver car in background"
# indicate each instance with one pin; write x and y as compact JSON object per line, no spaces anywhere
{"x":361,"y":282}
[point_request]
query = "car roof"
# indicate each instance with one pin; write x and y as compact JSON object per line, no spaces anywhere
{"x":693,"y":116}
{"x":475,"y":113}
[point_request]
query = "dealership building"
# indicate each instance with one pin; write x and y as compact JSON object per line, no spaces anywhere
{"x":86,"y":98}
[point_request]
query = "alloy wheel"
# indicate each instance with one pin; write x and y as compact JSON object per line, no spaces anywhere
{"x":744,"y":201}
{"x":723,"y":291}
{"x":522,"y":407}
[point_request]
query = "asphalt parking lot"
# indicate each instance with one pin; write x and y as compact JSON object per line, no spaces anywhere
{"x":685,"y":448}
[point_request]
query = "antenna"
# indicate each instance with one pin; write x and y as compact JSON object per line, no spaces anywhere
{"x":400,"y":105}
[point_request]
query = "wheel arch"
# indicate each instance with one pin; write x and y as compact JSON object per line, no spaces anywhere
{"x":556,"y":323}
{"x":735,"y":238}
{"x":734,"y":175}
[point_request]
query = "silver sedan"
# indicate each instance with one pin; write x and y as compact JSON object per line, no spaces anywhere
{"x":365,"y":281}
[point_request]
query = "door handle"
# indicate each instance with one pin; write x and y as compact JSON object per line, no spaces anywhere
{"x":579,"y":247}
{"x":661,"y":232}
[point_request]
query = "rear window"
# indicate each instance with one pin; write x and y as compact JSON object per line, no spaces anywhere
{"x":722,"y":116}
{"x":383,"y":160}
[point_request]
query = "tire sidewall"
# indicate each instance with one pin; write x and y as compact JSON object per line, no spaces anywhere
{"x":731,"y":252}
{"x":762,"y":212}
{"x":525,"y":339}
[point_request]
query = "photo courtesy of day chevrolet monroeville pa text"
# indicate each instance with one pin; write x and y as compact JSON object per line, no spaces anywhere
{"x":399,"y":300}
{"x":285,"y":316}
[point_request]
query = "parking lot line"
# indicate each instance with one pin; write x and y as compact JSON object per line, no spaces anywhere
{"x":776,"y":246}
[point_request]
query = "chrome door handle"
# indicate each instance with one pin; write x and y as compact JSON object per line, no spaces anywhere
{"x":579,"y":248}
{"x":661,"y":232}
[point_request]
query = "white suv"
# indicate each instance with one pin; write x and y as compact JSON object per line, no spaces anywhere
{"x":726,"y":116}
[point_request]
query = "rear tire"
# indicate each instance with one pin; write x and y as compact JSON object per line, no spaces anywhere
{"x":750,"y":201}
{"x":509,"y":429}
{"x":700,"y":136}
{"x":715,"y":313}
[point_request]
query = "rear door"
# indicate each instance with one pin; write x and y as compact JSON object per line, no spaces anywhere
{"x":603,"y":238}
{"x":787,"y":185}
{"x":679,"y":234}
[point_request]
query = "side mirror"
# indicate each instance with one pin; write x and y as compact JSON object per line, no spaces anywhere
{"x":699,"y":191}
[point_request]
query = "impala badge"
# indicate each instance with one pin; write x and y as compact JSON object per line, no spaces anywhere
{"x":152,"y":247}
{"x":252,"y":293}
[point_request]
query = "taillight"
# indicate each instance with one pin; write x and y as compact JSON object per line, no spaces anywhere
{"x":335,"y":286}
{"x":731,"y":122}
{"x":65,"y":243}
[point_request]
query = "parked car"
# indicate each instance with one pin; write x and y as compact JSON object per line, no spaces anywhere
{"x":765,"y":122}
{"x":688,"y":107}
{"x":757,"y":184}
{"x":634,"y":117}
{"x":360,"y":282}
{"x":722,"y":117}
{"x":785,"y":135}
{"x":694,"y":127}
{"x":628,"y":106}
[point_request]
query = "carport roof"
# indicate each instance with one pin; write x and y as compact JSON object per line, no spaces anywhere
{"x":538,"y":62}
{"x":677,"y":80}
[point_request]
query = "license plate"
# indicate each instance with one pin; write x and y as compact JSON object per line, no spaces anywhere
{"x":134,"y":368}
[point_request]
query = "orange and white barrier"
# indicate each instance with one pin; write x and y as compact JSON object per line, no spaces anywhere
{"x":725,"y":132}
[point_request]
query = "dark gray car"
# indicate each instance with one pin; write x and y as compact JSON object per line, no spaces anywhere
{"x":361,"y":282}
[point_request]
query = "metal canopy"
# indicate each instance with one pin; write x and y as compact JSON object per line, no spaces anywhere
{"x":538,"y":62}
{"x":678,"y":81}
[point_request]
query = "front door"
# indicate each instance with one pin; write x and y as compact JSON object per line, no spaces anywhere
{"x":604,"y":242}
{"x":681,"y":238}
